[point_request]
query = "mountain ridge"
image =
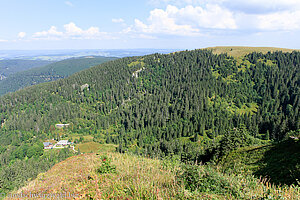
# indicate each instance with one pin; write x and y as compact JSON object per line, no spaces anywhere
{"x":50,"y":72}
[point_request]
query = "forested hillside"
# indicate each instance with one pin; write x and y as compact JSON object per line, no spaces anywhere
{"x":50,"y":72}
{"x":163,"y":105}
{"x":8,"y":67}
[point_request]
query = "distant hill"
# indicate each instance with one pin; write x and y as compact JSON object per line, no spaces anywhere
{"x":8,"y":67}
{"x":49,"y":72}
{"x":237,"y":51}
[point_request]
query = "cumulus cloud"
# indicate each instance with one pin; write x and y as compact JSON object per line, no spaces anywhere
{"x":52,"y":33}
{"x":71,"y":31}
{"x":194,"y":18}
{"x":186,"y":17}
{"x":279,"y":21}
{"x":186,"y":21}
{"x":21,"y":35}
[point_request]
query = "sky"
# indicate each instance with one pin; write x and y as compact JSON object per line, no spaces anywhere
{"x":158,"y":24}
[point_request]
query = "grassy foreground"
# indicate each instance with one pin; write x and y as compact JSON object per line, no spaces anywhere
{"x":123,"y":176}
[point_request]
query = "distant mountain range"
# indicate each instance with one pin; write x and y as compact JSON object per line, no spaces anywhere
{"x":57,"y":55}
{"x":8,"y":67}
{"x":50,"y":72}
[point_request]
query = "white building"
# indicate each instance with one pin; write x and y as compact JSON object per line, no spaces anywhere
{"x":61,"y":125}
{"x":63,"y":142}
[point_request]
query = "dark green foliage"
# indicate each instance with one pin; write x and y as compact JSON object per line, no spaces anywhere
{"x":281,"y":163}
{"x":18,"y":171}
{"x":234,"y":139}
{"x":205,"y":180}
{"x":106,"y":167}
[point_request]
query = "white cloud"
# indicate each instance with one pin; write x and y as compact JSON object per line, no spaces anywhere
{"x":21,"y":35}
{"x":71,"y":32}
{"x":212,"y":16}
{"x":74,"y":32}
{"x":250,"y":15}
{"x":3,"y":40}
{"x":186,"y":21}
{"x":279,"y":21}
{"x":119,"y":20}
{"x":69,"y":3}
{"x":52,"y":33}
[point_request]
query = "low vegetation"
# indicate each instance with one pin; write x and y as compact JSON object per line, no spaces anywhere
{"x":123,"y":176}
{"x":238,"y":51}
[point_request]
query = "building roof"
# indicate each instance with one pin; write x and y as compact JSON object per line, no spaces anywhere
{"x":61,"y":125}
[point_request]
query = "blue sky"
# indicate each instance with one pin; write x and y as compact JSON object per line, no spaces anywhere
{"x":119,"y":24}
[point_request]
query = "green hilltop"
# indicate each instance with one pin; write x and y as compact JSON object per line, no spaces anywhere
{"x":238,"y":51}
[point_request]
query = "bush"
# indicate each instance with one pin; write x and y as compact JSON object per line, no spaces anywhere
{"x":205,"y":179}
{"x":171,"y":163}
{"x":106,"y":167}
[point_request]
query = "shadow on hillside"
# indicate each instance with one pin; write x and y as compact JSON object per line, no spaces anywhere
{"x":281,"y":164}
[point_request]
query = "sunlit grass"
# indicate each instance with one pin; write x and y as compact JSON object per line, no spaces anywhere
{"x":142,"y":178}
{"x":237,"y":51}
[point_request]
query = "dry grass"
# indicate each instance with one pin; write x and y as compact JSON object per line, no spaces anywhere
{"x":135,"y":178}
{"x":238,"y":51}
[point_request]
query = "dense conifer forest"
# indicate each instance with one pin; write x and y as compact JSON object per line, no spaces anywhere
{"x":193,"y":104}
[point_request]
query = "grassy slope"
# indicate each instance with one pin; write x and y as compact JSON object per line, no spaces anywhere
{"x":139,"y":178}
{"x":237,"y":51}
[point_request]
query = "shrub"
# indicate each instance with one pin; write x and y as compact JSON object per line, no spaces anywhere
{"x":205,"y":179}
{"x":106,"y":167}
